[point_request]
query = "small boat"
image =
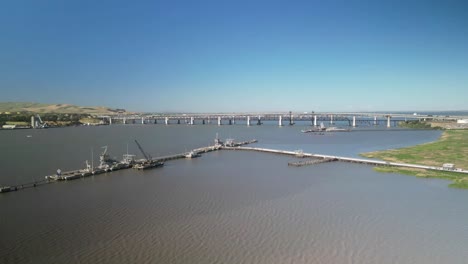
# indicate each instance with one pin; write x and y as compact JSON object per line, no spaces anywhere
{"x":99,"y":171}
{"x":119,"y":166}
{"x":147,"y":162}
{"x":229,"y":143}
{"x":29,"y":136}
{"x":148,"y":165}
{"x":71,"y":177}
{"x":86,"y":173}
{"x":315,"y":129}
{"x":310,"y":130}
{"x":67,"y":175}
{"x":5,"y":189}
{"x":127,"y":162}
{"x":336,"y":129}
{"x":192,"y":154}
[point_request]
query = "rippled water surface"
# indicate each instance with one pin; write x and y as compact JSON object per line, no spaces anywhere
{"x":226,"y":206}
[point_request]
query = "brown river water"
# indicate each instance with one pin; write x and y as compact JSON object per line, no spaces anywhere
{"x":226,"y":206}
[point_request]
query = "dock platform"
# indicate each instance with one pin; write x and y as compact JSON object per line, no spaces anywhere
{"x":310,"y":162}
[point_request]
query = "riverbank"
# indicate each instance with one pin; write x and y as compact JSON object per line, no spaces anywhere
{"x":452,"y":147}
{"x":416,"y":124}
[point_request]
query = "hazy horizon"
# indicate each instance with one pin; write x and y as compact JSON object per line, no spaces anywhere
{"x":265,"y":111}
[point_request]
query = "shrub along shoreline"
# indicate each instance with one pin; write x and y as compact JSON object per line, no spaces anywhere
{"x":451,"y":147}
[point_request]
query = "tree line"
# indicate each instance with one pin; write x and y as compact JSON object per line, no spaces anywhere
{"x":46,"y":117}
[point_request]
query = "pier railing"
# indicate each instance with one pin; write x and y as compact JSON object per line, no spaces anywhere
{"x":346,"y":159}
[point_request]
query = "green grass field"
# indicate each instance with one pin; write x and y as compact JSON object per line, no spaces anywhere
{"x":17,"y":123}
{"x":452,"y":147}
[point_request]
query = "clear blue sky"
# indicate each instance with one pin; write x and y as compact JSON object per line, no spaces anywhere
{"x":219,"y":56}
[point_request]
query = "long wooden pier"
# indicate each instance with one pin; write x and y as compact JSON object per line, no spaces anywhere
{"x":231,"y":145}
{"x":345,"y":159}
{"x":309,"y":162}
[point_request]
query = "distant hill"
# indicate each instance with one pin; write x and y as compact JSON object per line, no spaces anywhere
{"x":55,"y":108}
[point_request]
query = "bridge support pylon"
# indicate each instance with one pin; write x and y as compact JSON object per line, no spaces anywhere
{"x":375,"y":120}
{"x":248,"y":120}
{"x":315,"y":120}
{"x":331,"y":119}
{"x":219,"y":120}
{"x":388,"y":121}
{"x":354,"y":121}
{"x":259,"y":121}
{"x":142,"y":120}
{"x":291,"y":121}
{"x":191,"y":120}
{"x":110,"y":120}
{"x":280,"y":121}
{"x":125,"y":120}
{"x":166,"y":120}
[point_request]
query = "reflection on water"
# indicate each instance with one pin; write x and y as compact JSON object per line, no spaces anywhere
{"x":224,"y":207}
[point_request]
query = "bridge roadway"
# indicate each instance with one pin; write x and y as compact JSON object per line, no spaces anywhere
{"x":276,"y":115}
{"x":344,"y":159}
{"x":282,"y":118}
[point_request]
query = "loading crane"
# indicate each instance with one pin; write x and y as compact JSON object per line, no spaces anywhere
{"x":104,"y":156}
{"x":146,"y":155}
{"x":105,"y":151}
{"x":39,"y":117}
{"x":148,"y":163}
{"x":39,"y":124}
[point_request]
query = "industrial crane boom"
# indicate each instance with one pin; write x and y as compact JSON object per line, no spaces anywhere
{"x":105,"y":151}
{"x":39,"y":117}
{"x":147,"y":156}
{"x":41,"y":123}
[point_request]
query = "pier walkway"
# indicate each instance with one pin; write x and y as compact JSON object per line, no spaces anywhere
{"x":344,"y":159}
{"x":202,"y":150}
{"x":309,"y":162}
{"x":231,"y":145}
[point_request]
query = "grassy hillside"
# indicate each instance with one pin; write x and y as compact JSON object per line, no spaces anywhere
{"x":53,"y":108}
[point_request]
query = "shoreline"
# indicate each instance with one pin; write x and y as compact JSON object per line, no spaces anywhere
{"x":450,"y":147}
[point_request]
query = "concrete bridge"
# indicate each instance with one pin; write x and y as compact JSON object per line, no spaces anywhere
{"x":282,"y":119}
